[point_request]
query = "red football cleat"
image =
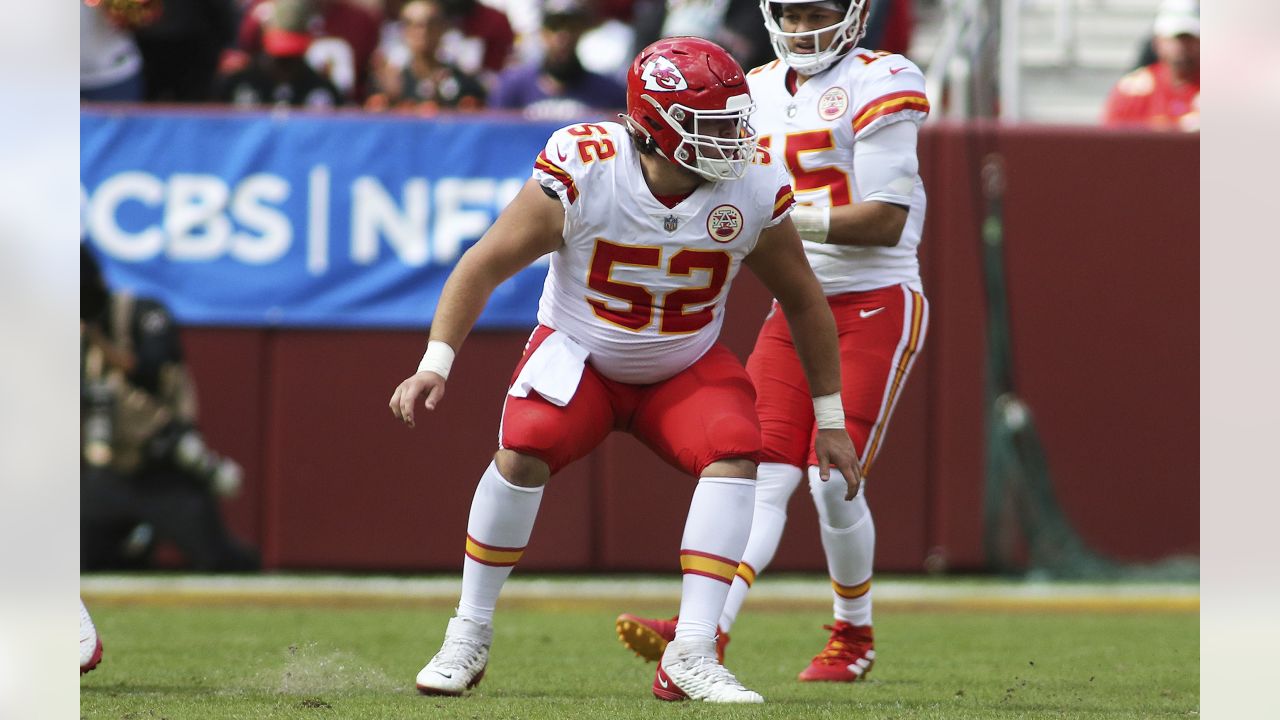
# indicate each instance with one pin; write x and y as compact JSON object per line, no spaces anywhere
{"x":648,"y":637}
{"x":848,"y":656}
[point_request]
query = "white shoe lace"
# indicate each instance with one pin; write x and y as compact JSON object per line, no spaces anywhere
{"x":710,"y":672}
{"x":702,"y":676}
{"x":458,"y":653}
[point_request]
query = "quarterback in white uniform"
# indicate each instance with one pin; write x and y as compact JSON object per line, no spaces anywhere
{"x":843,"y":121}
{"x":647,"y":223}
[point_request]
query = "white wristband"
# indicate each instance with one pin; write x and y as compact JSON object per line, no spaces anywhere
{"x":438,"y":358}
{"x":812,"y":222}
{"x":828,"y":411}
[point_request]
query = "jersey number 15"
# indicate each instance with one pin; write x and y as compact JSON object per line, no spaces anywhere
{"x":828,"y":177}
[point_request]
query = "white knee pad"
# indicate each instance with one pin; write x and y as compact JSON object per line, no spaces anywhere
{"x":828,"y":497}
{"x":774,"y":484}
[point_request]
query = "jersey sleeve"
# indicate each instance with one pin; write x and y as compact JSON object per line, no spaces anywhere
{"x":557,"y":168}
{"x":890,"y":89}
{"x":783,"y":198}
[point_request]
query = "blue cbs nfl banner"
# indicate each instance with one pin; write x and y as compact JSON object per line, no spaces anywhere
{"x":298,"y":219}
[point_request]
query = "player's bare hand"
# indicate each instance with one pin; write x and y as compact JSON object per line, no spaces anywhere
{"x":835,"y":449}
{"x":426,"y":384}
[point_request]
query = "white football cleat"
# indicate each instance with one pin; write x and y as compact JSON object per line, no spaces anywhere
{"x":689,"y":670}
{"x":90,"y":643}
{"x":461,"y":661}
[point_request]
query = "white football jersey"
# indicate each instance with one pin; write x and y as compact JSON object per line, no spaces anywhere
{"x":813,"y":129}
{"x":642,"y":286}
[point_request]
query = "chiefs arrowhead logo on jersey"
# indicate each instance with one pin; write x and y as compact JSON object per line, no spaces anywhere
{"x":724,"y":223}
{"x":833,"y":103}
{"x":661,"y":75}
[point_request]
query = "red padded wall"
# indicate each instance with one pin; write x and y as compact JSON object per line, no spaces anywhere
{"x":1103,"y":265}
{"x":232,"y":395}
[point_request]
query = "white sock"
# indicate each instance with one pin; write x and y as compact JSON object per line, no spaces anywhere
{"x":714,"y":535}
{"x":849,"y":539}
{"x":774,"y":484}
{"x":498,"y":530}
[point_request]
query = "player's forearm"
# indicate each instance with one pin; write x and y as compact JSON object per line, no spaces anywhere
{"x":813,"y":330}
{"x":887,"y":169}
{"x":463,"y":298}
{"x":871,"y":223}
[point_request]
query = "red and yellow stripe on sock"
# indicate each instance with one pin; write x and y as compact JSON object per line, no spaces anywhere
{"x":715,"y":567}
{"x":852,"y":592}
{"x":747,"y":573}
{"x":493,"y":555}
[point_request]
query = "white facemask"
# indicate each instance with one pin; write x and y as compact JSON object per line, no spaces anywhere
{"x":848,"y":31}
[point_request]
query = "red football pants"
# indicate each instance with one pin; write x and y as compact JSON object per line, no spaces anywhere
{"x":880,"y":333}
{"x":702,"y":414}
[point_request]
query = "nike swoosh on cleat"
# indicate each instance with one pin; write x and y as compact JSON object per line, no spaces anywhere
{"x":446,"y":676}
{"x":864,"y":314}
{"x":662,"y":681}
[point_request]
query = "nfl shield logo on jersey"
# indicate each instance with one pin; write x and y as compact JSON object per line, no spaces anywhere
{"x":724,"y":223}
{"x":670,"y":223}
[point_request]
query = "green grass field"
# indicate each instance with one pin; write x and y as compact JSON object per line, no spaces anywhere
{"x":343,"y":658}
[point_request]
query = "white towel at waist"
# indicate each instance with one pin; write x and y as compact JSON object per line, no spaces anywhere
{"x":553,"y":371}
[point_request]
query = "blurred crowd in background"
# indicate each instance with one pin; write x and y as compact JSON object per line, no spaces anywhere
{"x":549,"y":58}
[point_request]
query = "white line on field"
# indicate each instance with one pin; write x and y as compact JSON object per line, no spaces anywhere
{"x":626,"y":588}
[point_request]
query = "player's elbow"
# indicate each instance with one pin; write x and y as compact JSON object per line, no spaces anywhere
{"x":890,"y":221}
{"x":802,"y":298}
{"x":478,"y":273}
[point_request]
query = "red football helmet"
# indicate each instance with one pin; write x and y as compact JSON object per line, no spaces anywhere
{"x":690,"y":97}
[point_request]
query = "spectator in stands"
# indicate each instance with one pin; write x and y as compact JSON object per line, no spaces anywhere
{"x":279,"y":75}
{"x":181,"y":49}
{"x":1166,"y":93}
{"x":558,"y":86}
{"x":145,"y":472}
{"x":110,"y":64}
{"x":605,"y":49}
{"x":734,"y":24}
{"x":484,"y":39}
{"x":478,"y":42}
{"x":425,"y":81}
{"x":344,"y":38}
{"x":890,"y":26}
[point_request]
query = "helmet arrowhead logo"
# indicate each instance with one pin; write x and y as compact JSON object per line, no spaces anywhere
{"x":661,"y":75}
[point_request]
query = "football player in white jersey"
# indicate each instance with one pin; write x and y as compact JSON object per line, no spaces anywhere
{"x":647,"y":224}
{"x":843,"y":121}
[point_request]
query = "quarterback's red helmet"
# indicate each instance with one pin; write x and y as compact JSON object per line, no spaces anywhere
{"x":690,"y":97}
